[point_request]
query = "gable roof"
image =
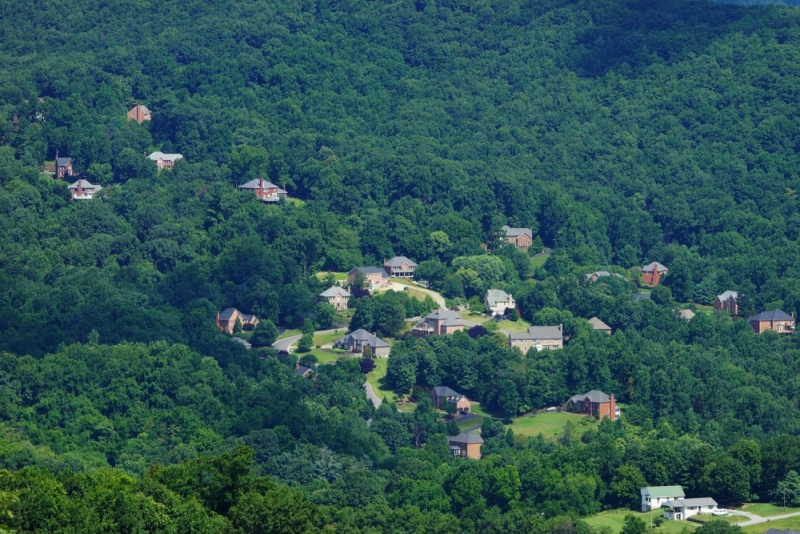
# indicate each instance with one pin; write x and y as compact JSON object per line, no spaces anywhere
{"x":596,"y":395}
{"x":686,"y":314}
{"x":398,"y":261}
{"x":597,"y":324}
{"x":598,"y":274}
{"x":371,"y":270}
{"x":493,"y":296}
{"x":364,"y":336}
{"x":650,"y":267}
{"x":63,"y":162}
{"x":774,"y":315}
{"x":444,"y":391}
{"x":85,"y":184}
{"x":663,"y":491}
{"x":155,"y":156}
{"x":257,"y":184}
{"x":728,"y":294}
{"x":516,"y":232}
{"x":443,"y":313}
{"x":538,"y":332}
{"x":465,"y":438}
{"x":334,"y":291}
{"x":142,"y":107}
{"x":301,"y":370}
{"x":226,"y":314}
{"x":701,"y":501}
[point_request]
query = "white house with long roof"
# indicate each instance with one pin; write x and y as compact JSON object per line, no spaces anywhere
{"x":654,"y":496}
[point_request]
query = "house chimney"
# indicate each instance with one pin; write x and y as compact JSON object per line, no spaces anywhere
{"x":561,"y":328}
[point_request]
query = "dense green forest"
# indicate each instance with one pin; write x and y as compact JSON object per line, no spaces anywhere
{"x":620,"y":131}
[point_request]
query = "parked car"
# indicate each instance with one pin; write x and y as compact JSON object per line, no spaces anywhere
{"x":720,"y":511}
{"x":551,"y":409}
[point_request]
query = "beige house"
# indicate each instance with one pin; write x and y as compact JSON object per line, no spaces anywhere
{"x":776,"y":320}
{"x":358,"y":340}
{"x":400,"y":267}
{"x":139,"y":114}
{"x":497,"y":301}
{"x":376,"y":277}
{"x":466,"y":445}
{"x":441,"y":322}
{"x":442,"y":395}
{"x":336,"y":296}
{"x":226,"y":320}
{"x":164,"y":161}
{"x":539,"y":338}
{"x":599,"y":325}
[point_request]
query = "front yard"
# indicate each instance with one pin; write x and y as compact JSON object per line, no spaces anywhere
{"x":551,"y":424}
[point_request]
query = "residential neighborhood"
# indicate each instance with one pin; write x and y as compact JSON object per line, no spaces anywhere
{"x":497,"y":302}
{"x":466,"y":445}
{"x":441,"y":322}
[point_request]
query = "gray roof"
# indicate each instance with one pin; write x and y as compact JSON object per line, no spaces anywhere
{"x":598,"y":274}
{"x":398,"y":261}
{"x":243,"y":342}
{"x":593,"y":396}
{"x":371,"y":270}
{"x":333,"y":291}
{"x":642,"y":296}
{"x":701,"y":501}
{"x":443,"y":313}
{"x":444,"y":391}
{"x":85,"y":184}
{"x":597,"y":324}
{"x":539,"y":332}
{"x":686,"y":314}
{"x":301,"y":370}
{"x":62,"y":162}
{"x":774,"y":315}
{"x":465,"y":438}
{"x":226,"y":314}
{"x":728,"y":294}
{"x":256,"y":184}
{"x":496,"y":295}
{"x":155,"y":156}
{"x":362,"y":335}
{"x":650,"y":267}
{"x":516,"y":232}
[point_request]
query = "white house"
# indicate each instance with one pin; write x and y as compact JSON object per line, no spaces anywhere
{"x":654,"y":497}
{"x":498,"y":301}
{"x":684,"y":508}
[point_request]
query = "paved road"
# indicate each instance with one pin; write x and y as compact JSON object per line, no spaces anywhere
{"x":757,"y":519}
{"x":437,"y":298}
{"x":284,"y":344}
{"x":371,"y":395}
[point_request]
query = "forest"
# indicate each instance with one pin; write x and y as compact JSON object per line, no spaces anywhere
{"x":620,"y":131}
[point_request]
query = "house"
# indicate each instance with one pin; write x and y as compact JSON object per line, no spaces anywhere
{"x":599,"y":325}
{"x":599,"y":274}
{"x":443,"y":394}
{"x":687,"y":315}
{"x":302,"y":370}
{"x":728,"y":302}
{"x":375,"y":277}
{"x":466,"y":445}
{"x":356,"y":342}
{"x":522,"y":238}
{"x":336,"y":296}
{"x":653,"y":497}
{"x":400,"y":267}
{"x":264,"y":190}
{"x":83,"y":190}
{"x":594,"y":403}
{"x":164,"y":161}
{"x":64,"y":167}
{"x":497,"y":301}
{"x":776,"y":320}
{"x":684,"y":508}
{"x":226,"y":320}
{"x":653,"y":272}
{"x":441,"y":322}
{"x":538,"y":337}
{"x":139,"y":113}
{"x":244,"y":342}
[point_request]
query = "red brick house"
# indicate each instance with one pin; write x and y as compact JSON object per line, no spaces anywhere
{"x":139,"y":113}
{"x":594,"y":403}
{"x":64,"y":168}
{"x":442,"y":395}
{"x":226,"y":320}
{"x":728,"y":302}
{"x":776,"y":320}
{"x":266,"y":191}
{"x":522,"y":238}
{"x":653,"y":272}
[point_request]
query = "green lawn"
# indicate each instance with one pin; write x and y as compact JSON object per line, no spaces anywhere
{"x":538,"y":261}
{"x":511,"y":326}
{"x":792,"y":523}
{"x":469,"y":423}
{"x":336,"y":276}
{"x":324,"y":339}
{"x":550,"y":424}
{"x":732,"y":519}
{"x":377,"y":379}
{"x":290,"y":332}
{"x":615,"y":518}
{"x":765,"y":509}
{"x":417,"y":294}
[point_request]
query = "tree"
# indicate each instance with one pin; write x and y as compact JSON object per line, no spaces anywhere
{"x":367,"y":365}
{"x":279,"y":511}
{"x":264,"y":334}
{"x":237,"y":326}
{"x":748,"y":453}
{"x":100,"y":173}
{"x":305,"y":343}
{"x":626,"y":486}
{"x":789,"y":489}
{"x":364,"y":316}
{"x":633,"y":525}
{"x":452,"y":428}
{"x":324,"y":315}
{"x":662,"y":295}
{"x":508,"y":398}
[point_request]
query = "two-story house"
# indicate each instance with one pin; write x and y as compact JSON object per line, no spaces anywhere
{"x":358,"y":340}
{"x":226,"y":320}
{"x":400,"y":267}
{"x":466,"y":445}
{"x":653,"y":497}
{"x":652,"y":273}
{"x":497,"y":301}
{"x":266,"y":191}
{"x":336,"y":296}
{"x":139,"y":113}
{"x":538,"y":337}
{"x":440,"y":322}
{"x":594,"y":403}
{"x":442,"y":395}
{"x":64,"y":168}
{"x":164,"y":161}
{"x":83,"y":190}
{"x":776,"y":320}
{"x":727,"y":302}
{"x":599,"y":325}
{"x":375,"y":277}
{"x":522,"y":238}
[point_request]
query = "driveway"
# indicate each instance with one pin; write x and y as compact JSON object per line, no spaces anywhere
{"x":371,"y":395}
{"x":437,"y":298}
{"x":286,"y":343}
{"x":754,"y":519}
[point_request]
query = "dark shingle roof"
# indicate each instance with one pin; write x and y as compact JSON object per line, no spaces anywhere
{"x":774,"y":315}
{"x":301,"y":370}
{"x":226,"y":315}
{"x":62,"y":162}
{"x":650,"y":267}
{"x":398,"y":261}
{"x":465,"y":438}
{"x":372,"y":270}
{"x":444,"y":391}
{"x":516,"y":232}
{"x":362,"y":335}
{"x":593,"y":396}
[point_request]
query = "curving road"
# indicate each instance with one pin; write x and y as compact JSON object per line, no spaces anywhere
{"x":371,"y":395}
{"x":285,"y":343}
{"x":757,"y":519}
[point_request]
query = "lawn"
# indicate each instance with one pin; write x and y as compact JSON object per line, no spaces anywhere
{"x":550,"y":424}
{"x":470,"y":423}
{"x":324,"y":339}
{"x":290,"y":332}
{"x":538,"y":261}
{"x":377,"y":379}
{"x":792,"y":523}
{"x":614,"y":520}
{"x":765,"y":509}
{"x":732,"y":519}
{"x":510,"y":326}
{"x":336,"y":276}
{"x":417,"y":294}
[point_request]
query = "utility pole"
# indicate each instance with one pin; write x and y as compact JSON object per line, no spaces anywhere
{"x":651,"y":517}
{"x":784,"y":498}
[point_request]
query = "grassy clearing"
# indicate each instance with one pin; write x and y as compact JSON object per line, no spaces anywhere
{"x":615,"y":518}
{"x":538,"y":261}
{"x":336,"y":276}
{"x":730,"y":519}
{"x":290,"y":332}
{"x":550,"y":424}
{"x":765,"y":509}
{"x":792,"y":523}
{"x":324,"y":339}
{"x":377,"y":379}
{"x":470,"y":423}
{"x":417,"y":294}
{"x":513,"y":326}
